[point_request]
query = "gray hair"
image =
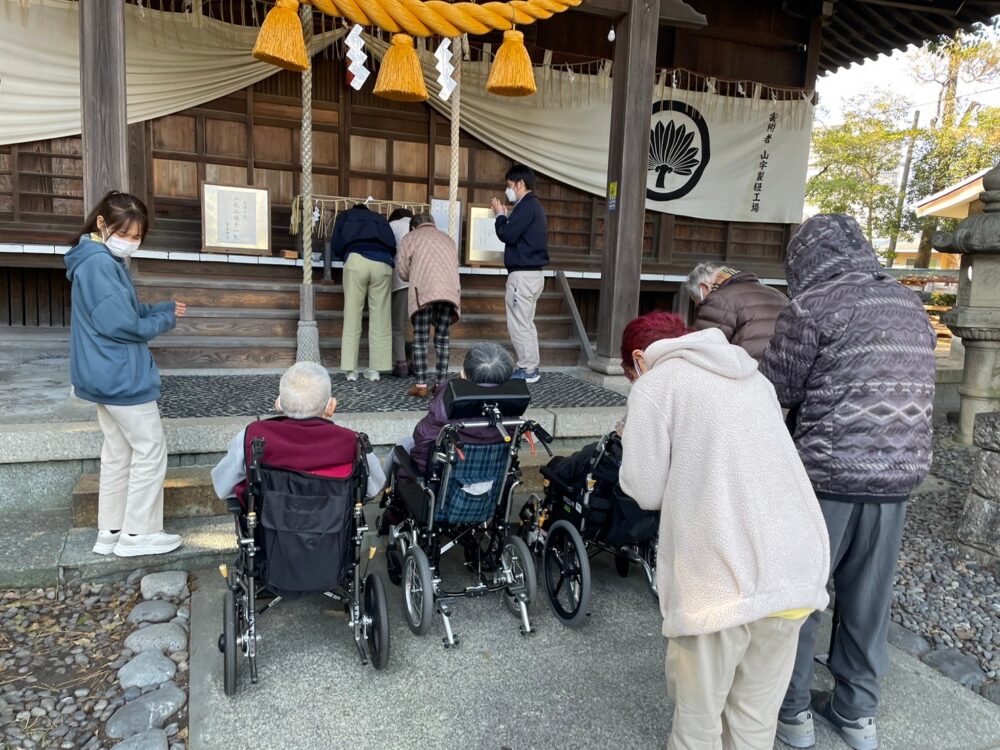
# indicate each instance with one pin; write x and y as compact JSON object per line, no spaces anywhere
{"x":304,"y":390}
{"x":488,"y":362}
{"x":702,"y":274}
{"x":420,"y":219}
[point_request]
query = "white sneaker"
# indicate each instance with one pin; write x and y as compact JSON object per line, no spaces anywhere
{"x":352,"y":375}
{"x":372,"y":375}
{"x":106,"y":542}
{"x":157,"y":543}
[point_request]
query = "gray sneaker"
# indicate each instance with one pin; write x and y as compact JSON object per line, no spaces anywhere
{"x":858,"y":733}
{"x":798,"y":730}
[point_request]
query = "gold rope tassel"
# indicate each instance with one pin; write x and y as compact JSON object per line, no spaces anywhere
{"x":512,"y":74}
{"x":400,"y":76}
{"x":280,"y":41}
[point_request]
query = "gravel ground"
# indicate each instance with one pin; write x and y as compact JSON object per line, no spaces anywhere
{"x":60,"y":652}
{"x":942,"y":592}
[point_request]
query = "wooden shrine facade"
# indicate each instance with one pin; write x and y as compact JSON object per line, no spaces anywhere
{"x":364,"y":145}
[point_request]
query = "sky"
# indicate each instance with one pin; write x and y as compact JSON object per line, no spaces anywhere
{"x":891,"y":72}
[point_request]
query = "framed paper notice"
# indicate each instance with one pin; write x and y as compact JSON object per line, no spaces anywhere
{"x":235,"y":220}
{"x":484,"y":248}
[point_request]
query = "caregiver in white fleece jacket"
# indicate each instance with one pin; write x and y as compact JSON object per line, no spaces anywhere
{"x":743,"y":555}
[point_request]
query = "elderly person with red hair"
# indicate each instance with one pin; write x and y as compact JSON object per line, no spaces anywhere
{"x":743,"y":555}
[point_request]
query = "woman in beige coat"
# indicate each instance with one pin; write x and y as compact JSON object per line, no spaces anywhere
{"x":428,"y":259}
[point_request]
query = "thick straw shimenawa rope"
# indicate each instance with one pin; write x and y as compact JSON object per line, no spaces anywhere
{"x":439,"y":18}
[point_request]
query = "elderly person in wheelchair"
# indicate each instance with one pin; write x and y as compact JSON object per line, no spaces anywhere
{"x":451,"y":484}
{"x":296,"y":485}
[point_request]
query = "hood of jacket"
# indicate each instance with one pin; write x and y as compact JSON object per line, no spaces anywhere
{"x":86,"y":248}
{"x":706,"y":349}
{"x":824,"y":247}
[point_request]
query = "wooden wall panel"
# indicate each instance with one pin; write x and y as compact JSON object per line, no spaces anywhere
{"x":226,"y":138}
{"x":175,"y":133}
{"x":221,"y":174}
{"x":272,"y":144}
{"x":279,"y":184}
{"x":368,"y":154}
{"x":409,"y":159}
{"x":442,"y":162}
{"x":175,"y":179}
{"x":362,"y":187}
{"x":326,"y":147}
{"x":34,"y":297}
{"x":414,"y":192}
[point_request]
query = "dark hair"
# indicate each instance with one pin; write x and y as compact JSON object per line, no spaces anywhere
{"x":119,"y":211}
{"x":646,"y":329}
{"x":521,"y":173}
{"x":420,"y":219}
{"x":400,"y":213}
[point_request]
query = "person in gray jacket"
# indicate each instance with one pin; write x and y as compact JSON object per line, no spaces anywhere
{"x":852,"y":357}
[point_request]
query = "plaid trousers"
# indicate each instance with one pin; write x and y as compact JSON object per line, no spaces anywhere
{"x":439,"y":314}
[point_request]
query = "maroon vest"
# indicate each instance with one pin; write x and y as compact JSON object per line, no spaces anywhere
{"x":312,"y":446}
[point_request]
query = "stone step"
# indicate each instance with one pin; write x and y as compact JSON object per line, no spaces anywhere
{"x":187,"y":493}
{"x":208,"y":542}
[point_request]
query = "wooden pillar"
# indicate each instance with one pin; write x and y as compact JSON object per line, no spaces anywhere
{"x":631,"y":110}
{"x":102,"y":99}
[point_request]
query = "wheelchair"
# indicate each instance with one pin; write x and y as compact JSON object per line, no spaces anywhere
{"x":300,"y":534}
{"x":463,"y":499}
{"x":582,"y":513}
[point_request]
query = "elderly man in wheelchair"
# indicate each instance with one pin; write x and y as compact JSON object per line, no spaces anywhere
{"x":454,"y":487}
{"x":296,"y":485}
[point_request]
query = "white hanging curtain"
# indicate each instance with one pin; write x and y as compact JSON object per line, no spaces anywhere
{"x":173,"y":61}
{"x":727,"y":158}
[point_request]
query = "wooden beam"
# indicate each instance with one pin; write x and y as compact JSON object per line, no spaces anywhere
{"x":102,"y":99}
{"x":813,"y":50}
{"x":672,"y":12}
{"x":631,"y":111}
{"x":940,"y":7}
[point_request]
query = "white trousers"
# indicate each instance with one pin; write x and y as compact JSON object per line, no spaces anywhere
{"x":523,"y":290}
{"x":727,"y":687}
{"x":133,"y":467}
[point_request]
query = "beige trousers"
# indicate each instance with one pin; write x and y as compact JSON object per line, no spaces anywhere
{"x":372,"y":279}
{"x":727,"y":687}
{"x":133,"y":466}
{"x":523,"y":290}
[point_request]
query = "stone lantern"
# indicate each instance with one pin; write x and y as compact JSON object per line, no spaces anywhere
{"x":976,"y":316}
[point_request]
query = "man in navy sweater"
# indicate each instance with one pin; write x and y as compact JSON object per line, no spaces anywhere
{"x":523,"y":231}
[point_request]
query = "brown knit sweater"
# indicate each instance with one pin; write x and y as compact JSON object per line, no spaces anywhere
{"x":427,"y":258}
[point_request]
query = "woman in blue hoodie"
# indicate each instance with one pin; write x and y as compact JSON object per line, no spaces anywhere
{"x":110,"y":365}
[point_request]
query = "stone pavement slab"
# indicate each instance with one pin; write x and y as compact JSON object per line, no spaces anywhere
{"x":30,"y":547}
{"x":599,"y":686}
{"x":207,"y":542}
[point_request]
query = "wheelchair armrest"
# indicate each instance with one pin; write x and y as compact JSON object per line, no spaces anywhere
{"x":403,"y":461}
{"x":233,"y":505}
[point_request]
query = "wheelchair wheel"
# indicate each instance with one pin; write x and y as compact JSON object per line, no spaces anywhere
{"x":418,"y":590}
{"x":394,"y":565}
{"x":622,"y":564}
{"x":376,"y":608}
{"x":566,"y":569}
{"x":519,"y":559}
{"x":229,"y":643}
{"x":649,"y":553}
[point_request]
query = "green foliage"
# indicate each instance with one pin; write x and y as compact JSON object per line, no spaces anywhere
{"x":854,"y":158}
{"x":943,"y":299}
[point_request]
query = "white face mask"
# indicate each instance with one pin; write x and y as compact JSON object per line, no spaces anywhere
{"x":511,"y":194}
{"x":121,"y":247}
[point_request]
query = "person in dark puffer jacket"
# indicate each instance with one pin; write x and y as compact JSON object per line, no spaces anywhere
{"x":853,"y":355}
{"x":737,"y":303}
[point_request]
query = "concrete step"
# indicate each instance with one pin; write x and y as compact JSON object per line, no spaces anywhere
{"x":40,"y":548}
{"x":271,"y":351}
{"x":208,"y":541}
{"x":187,"y":493}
